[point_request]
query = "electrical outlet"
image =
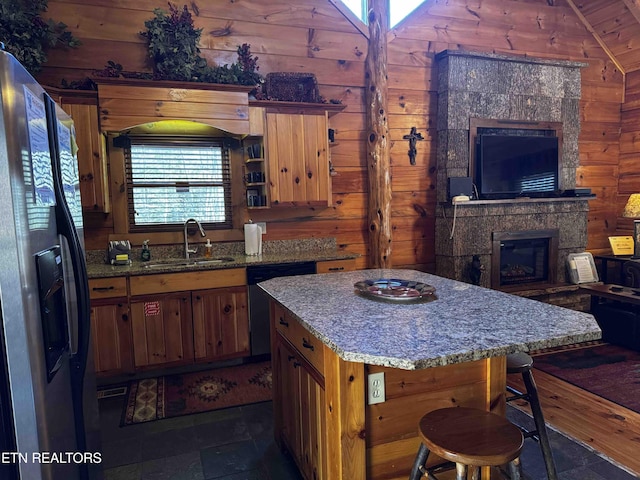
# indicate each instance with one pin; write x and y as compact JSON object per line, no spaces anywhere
{"x":376,"y":388}
{"x":263,"y":226}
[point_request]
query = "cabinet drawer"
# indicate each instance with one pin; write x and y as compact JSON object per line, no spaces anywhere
{"x":283,"y":322}
{"x":332,"y":266}
{"x":107,"y":287}
{"x":176,"y":282}
{"x":309,"y":346}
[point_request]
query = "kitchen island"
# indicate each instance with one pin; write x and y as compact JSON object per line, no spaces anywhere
{"x":328,"y":339}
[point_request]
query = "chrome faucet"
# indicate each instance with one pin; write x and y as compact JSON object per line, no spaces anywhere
{"x":188,"y":250}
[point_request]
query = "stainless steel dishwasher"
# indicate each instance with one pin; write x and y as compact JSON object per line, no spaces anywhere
{"x":259,"y":300}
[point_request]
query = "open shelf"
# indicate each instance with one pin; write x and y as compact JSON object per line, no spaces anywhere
{"x":255,"y":173}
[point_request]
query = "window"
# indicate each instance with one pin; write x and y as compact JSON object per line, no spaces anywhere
{"x":359,"y":7}
{"x":172,"y":179}
{"x":398,"y":9}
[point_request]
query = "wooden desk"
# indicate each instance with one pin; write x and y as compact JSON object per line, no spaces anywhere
{"x":612,"y":292}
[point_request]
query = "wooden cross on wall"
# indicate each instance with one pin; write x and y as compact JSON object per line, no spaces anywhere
{"x":413,"y":137}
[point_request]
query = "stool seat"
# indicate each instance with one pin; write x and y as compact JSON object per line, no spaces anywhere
{"x":519,"y":362}
{"x":470,"y":436}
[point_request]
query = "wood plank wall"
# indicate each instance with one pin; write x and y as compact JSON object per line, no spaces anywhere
{"x":629,"y":166}
{"x":313,"y":36}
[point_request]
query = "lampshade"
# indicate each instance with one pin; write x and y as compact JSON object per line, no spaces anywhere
{"x":632,"y":208}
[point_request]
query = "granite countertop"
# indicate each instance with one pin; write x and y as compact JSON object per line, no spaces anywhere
{"x":280,"y":253}
{"x":465,"y":323}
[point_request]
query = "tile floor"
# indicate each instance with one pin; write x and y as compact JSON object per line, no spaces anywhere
{"x":237,"y":444}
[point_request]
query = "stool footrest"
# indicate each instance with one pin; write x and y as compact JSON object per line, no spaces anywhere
{"x":430,"y":471}
{"x":529,"y":433}
{"x":441,"y":467}
{"x":522,"y":396}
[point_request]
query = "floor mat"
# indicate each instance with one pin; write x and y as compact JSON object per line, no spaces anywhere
{"x":183,"y":394}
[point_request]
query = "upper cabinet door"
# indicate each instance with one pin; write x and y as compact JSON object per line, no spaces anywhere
{"x":92,"y":168}
{"x":298,"y":161}
{"x":82,"y":107}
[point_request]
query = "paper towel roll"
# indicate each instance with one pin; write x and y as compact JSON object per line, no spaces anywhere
{"x":252,"y":239}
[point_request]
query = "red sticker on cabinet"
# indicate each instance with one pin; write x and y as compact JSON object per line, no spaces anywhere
{"x":151,"y":309}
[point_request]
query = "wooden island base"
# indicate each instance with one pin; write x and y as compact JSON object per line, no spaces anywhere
{"x":321,"y":412}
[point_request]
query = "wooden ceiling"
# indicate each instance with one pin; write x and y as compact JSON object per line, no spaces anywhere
{"x":616,"y":26}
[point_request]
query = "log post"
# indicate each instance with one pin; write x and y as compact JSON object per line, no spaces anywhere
{"x":378,"y":161}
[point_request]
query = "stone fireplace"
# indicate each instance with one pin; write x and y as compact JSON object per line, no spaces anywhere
{"x":477,"y":90}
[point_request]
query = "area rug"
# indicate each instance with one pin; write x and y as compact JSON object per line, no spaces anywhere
{"x":609,"y":371}
{"x":183,"y":394}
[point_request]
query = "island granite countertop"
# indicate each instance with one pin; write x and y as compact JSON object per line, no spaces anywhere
{"x":465,"y":322}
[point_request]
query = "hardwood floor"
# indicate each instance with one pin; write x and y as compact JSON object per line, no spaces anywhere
{"x":591,"y":420}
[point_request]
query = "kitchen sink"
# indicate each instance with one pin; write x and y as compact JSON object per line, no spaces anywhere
{"x":189,"y":262}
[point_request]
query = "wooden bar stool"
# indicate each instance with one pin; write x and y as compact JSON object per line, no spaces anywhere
{"x":522,"y":363}
{"x":470,"y":438}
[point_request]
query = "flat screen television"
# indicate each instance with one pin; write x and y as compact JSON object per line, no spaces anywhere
{"x":510,"y":166}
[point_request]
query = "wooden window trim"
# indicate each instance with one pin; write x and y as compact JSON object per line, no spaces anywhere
{"x":120,"y":206}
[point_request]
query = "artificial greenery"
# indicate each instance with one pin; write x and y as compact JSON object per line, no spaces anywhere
{"x":28,"y":36}
{"x":172,"y":41}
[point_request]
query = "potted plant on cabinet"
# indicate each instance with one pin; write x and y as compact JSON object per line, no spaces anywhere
{"x":27,"y":36}
{"x":172,"y":42}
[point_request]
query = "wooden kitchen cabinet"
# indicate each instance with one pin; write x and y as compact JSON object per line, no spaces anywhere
{"x":206,"y":322}
{"x":111,"y":337}
{"x":82,"y":106}
{"x":220,"y":323}
{"x":162,"y":329}
{"x":300,"y":420}
{"x":298,"y":159}
{"x":110,"y":326}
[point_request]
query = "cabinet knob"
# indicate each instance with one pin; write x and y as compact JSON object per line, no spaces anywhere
{"x":336,"y":269}
{"x":290,"y":357}
{"x":306,"y":344}
{"x":125,"y":317}
{"x":296,"y":364}
{"x":282,"y":322}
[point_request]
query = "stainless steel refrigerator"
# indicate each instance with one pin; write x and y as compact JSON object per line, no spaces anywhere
{"x":48,"y":405}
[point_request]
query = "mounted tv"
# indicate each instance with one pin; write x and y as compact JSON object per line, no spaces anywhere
{"x":510,"y":166}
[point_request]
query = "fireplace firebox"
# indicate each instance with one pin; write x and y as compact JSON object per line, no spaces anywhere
{"x":524,"y":257}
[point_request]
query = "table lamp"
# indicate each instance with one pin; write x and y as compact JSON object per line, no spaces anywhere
{"x":632,"y":210}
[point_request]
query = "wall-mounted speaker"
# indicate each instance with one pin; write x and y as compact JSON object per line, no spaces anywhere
{"x":459,"y":186}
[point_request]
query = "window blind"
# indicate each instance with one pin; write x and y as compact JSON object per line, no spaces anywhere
{"x":170,"y":180}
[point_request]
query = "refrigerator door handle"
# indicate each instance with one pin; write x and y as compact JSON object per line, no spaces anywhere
{"x":66,"y":228}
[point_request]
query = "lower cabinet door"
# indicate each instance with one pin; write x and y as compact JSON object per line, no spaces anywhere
{"x":291,"y":403}
{"x":162,"y":329}
{"x":312,"y":426}
{"x":220,"y":323}
{"x":300,"y":406}
{"x":111,"y":337}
